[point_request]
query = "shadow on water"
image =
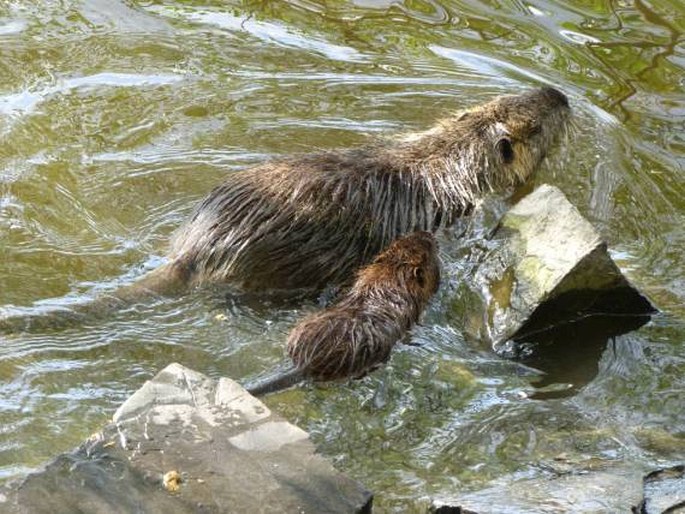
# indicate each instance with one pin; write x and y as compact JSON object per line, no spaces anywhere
{"x":569,"y":351}
{"x":569,"y":354}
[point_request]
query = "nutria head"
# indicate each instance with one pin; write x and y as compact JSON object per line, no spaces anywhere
{"x":489,"y":147}
{"x":409,"y":267}
{"x":357,"y":334}
{"x":519,"y":131}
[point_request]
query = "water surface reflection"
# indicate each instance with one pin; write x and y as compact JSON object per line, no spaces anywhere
{"x":115,"y":117}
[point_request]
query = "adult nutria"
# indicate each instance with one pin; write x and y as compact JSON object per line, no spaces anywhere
{"x":311,"y":220}
{"x":357,"y":334}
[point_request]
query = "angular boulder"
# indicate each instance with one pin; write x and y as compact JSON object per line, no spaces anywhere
{"x":185,"y":443}
{"x":549,"y":266}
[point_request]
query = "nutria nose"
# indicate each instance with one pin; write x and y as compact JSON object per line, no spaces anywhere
{"x":554,"y":96}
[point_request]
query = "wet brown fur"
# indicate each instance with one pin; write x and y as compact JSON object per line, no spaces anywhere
{"x":358,"y":333}
{"x":312,"y":220}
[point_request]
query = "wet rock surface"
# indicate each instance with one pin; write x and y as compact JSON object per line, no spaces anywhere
{"x":664,"y":492}
{"x":188,"y":443}
{"x":600,"y":487}
{"x":549,"y":267}
{"x":605,"y":491}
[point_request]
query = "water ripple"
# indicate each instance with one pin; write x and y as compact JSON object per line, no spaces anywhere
{"x":494,"y":69}
{"x":27,"y":101}
{"x":12,"y":27}
{"x":268,"y":32}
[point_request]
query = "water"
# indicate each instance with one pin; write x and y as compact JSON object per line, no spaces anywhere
{"x":117,"y":116}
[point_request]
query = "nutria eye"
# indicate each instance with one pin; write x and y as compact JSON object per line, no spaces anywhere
{"x":420,"y":279}
{"x":506,"y":150}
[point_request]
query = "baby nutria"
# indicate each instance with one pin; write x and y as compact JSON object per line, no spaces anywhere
{"x":311,"y":220}
{"x":357,"y":334}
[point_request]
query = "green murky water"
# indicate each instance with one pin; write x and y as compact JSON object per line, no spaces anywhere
{"x":116,"y":116}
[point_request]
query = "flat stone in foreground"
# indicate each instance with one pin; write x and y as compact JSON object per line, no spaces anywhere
{"x":551,"y":266}
{"x":230,"y":452}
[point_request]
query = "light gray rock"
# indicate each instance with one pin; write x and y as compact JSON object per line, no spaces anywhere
{"x":664,"y":491}
{"x":549,"y":265}
{"x":231,"y":453}
{"x":600,"y":487}
{"x":614,"y":488}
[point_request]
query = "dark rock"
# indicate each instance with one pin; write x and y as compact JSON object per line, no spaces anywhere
{"x":221,"y":448}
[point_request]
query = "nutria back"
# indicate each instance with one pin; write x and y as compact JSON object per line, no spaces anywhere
{"x":310,"y":221}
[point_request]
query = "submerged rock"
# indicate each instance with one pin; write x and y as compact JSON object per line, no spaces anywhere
{"x":185,"y":443}
{"x":664,"y":492}
{"x":605,"y":487}
{"x":610,"y":489}
{"x":550,"y":267}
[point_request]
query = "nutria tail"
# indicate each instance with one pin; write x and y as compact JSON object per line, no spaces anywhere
{"x":167,"y":280}
{"x":357,"y":334}
{"x":282,"y":379}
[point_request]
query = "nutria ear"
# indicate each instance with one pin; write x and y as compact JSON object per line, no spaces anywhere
{"x":535,"y":128}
